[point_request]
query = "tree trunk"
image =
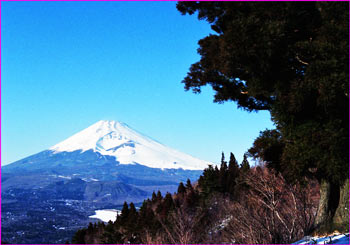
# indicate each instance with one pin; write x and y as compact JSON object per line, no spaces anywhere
{"x":323,"y":211}
{"x":329,"y":202}
{"x":341,"y":217}
{"x":333,"y":208}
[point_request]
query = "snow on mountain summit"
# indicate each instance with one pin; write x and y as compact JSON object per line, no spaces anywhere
{"x":117,"y":139}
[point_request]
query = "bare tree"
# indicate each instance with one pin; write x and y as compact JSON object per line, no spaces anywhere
{"x":272,"y":211}
{"x":148,"y":238}
{"x":182,"y":226}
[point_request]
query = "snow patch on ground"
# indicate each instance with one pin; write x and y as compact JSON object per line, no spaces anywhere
{"x":334,"y":239}
{"x":64,"y":177}
{"x":106,"y":214}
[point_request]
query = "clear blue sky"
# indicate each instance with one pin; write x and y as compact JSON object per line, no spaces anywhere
{"x":67,"y":65}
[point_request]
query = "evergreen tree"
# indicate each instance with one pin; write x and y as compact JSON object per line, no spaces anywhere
{"x":110,"y":235}
{"x":124,"y":213}
{"x":79,"y":237}
{"x":90,"y":228}
{"x":132,"y":218}
{"x":245,"y":164}
{"x":154,"y":197}
{"x":189,"y":185}
{"x":209,"y":180}
{"x":181,"y":189}
{"x":132,"y":209}
{"x":233,"y":164}
{"x":146,"y":218}
{"x":223,"y":174}
{"x":233,"y":172}
{"x":143,"y":207}
{"x":159,"y":196}
{"x":191,"y":197}
{"x":298,"y":71}
{"x":268,"y":147}
{"x":168,"y":203}
{"x":223,"y":165}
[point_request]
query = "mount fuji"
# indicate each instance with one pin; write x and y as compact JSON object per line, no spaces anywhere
{"x":112,"y":138}
{"x":99,"y":167}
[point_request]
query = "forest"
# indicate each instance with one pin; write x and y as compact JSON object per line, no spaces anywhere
{"x":230,"y":204}
{"x":290,"y":59}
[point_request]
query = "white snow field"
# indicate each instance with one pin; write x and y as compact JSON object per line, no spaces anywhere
{"x":106,"y":214}
{"x":116,"y":139}
{"x":335,"y":239}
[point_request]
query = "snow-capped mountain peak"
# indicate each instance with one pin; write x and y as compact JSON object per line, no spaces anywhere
{"x":117,"y":139}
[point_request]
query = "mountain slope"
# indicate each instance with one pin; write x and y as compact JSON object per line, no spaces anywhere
{"x":112,"y":138}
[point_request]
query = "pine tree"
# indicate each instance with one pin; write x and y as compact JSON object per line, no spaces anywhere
{"x":132,"y":209}
{"x":181,"y":189}
{"x":223,"y":174}
{"x":79,"y":237}
{"x":132,"y":218}
{"x":90,"y":228}
{"x":189,"y":186}
{"x":233,"y":172}
{"x":146,"y":218}
{"x":110,"y":235}
{"x":124,"y":213}
{"x":154,"y":197}
{"x":167,"y":205}
{"x":209,"y":180}
{"x":168,"y":201}
{"x":159,"y":196}
{"x":245,"y":164}
{"x":191,"y":197}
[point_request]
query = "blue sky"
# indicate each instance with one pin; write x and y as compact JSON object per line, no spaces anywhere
{"x":67,"y":65}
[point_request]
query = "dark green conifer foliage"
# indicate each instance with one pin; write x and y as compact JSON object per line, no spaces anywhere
{"x":209,"y":181}
{"x":223,"y":175}
{"x":132,"y":209}
{"x":298,"y":70}
{"x":168,"y":203}
{"x":132,"y":217}
{"x":124,"y":213}
{"x":79,"y":237}
{"x":159,"y":196}
{"x":90,"y":228}
{"x":223,"y":166}
{"x":143,"y":213}
{"x":110,"y":235}
{"x":191,"y":199}
{"x":268,"y":147}
{"x":181,"y":189}
{"x":189,"y":185}
{"x":233,"y":172}
{"x":245,"y":164}
{"x":146,"y":218}
{"x":144,"y":206}
{"x":131,"y":225}
{"x":154,"y":197}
